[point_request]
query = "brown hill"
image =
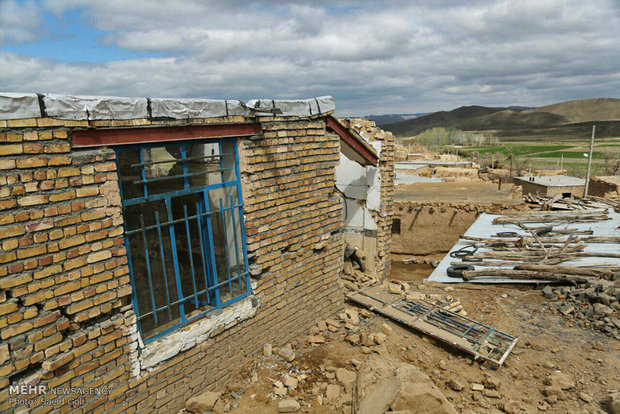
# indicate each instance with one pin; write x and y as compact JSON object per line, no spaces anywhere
{"x":484,"y":118}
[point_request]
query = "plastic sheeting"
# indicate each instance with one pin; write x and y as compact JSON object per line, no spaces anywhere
{"x":484,"y":227}
{"x":94,"y":107}
{"x":19,"y":106}
{"x":305,"y":107}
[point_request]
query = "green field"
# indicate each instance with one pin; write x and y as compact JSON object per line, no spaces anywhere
{"x":565,"y":152}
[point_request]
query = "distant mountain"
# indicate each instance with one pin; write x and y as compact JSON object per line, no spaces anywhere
{"x":514,"y":117}
{"x":392,"y":118}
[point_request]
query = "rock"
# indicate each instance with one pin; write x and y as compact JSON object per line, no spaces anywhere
{"x":288,"y":405}
{"x":380,"y":338}
{"x":477,"y":387}
{"x":613,"y":403}
{"x":413,"y":296}
{"x":333,"y":392}
{"x":559,"y":379}
{"x":353,"y":317}
{"x":443,"y":365}
{"x":203,"y":402}
{"x":365,"y":313}
{"x":491,"y":393}
{"x":585,"y":397}
{"x":386,"y":329}
{"x":316,"y":339}
{"x":552,"y":390}
{"x":280,"y":392}
{"x":395,"y":289}
{"x":356,"y":363}
{"x":455,"y":384}
{"x":322,"y":326}
{"x":366,"y":350}
{"x":601,"y":309}
{"x":549,"y":293}
{"x":491,"y":382}
{"x":512,"y":407}
{"x":353,"y":339}
{"x":267,"y":351}
{"x":286,"y":354}
{"x":346,"y":378}
{"x":290,"y":382}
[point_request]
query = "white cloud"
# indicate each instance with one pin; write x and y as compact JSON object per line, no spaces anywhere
{"x":19,"y":21}
{"x":390,"y":57}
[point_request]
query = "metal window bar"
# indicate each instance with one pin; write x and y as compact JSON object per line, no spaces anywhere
{"x":204,"y":229}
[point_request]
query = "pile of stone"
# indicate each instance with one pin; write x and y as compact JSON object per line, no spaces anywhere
{"x":595,"y":303}
{"x":354,"y":278}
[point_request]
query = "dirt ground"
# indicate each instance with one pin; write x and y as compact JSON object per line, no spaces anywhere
{"x":474,"y":192}
{"x":548,"y":344}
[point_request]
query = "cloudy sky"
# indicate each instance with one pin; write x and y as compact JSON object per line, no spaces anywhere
{"x":373,"y":57}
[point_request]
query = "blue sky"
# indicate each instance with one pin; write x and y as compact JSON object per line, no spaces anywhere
{"x":397,"y":56}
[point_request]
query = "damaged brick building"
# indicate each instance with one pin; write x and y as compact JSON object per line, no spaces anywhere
{"x":150,"y":247}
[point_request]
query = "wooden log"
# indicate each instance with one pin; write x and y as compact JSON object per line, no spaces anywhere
{"x":523,"y":274}
{"x":568,"y":270}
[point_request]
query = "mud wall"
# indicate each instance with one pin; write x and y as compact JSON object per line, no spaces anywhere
{"x":431,"y":229}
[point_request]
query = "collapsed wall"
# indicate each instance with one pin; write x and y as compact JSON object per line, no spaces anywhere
{"x":368,"y":193}
{"x":66,"y":314}
{"x":604,"y":186}
{"x":431,"y":229}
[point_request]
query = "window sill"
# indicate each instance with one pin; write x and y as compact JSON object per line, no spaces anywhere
{"x":162,"y":349}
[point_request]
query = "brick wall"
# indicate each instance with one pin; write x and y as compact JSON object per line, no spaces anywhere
{"x":65,"y":318}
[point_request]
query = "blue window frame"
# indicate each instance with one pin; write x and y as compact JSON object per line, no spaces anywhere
{"x":184,"y":230}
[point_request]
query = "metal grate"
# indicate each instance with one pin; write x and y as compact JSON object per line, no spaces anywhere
{"x":184,"y":230}
{"x":464,"y":333}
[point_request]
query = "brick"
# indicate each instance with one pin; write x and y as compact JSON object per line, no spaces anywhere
{"x":30,"y":136}
{"x":32,"y":162}
{"x":30,"y":252}
{"x":68,"y":172}
{"x":55,"y":363}
{"x":14,"y":330}
{"x":8,"y":307}
{"x":59,"y":160}
{"x":7,"y":164}
{"x":57,"y":148}
{"x":11,"y":149}
{"x":33,"y":200}
{"x":96,"y":257}
{"x":47,"y":342}
{"x":12,"y":231}
{"x":67,"y":195}
{"x":48,"y":271}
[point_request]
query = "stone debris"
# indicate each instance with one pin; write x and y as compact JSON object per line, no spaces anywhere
{"x":594,"y":303}
{"x":561,"y":380}
{"x":491,"y":382}
{"x":267,"y":350}
{"x":316,"y":339}
{"x":477,"y":387}
{"x":203,"y":402}
{"x":286,"y":354}
{"x":455,"y":384}
{"x":386,"y":329}
{"x":288,"y":405}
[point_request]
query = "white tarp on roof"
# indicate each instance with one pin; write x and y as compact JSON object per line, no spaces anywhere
{"x":19,"y":105}
{"x":484,"y":227}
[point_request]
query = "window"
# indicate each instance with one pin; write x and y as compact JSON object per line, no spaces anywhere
{"x":184,"y":230}
{"x":396,"y":226}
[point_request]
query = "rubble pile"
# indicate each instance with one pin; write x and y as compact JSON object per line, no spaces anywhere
{"x":354,"y":277}
{"x":595,"y":303}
